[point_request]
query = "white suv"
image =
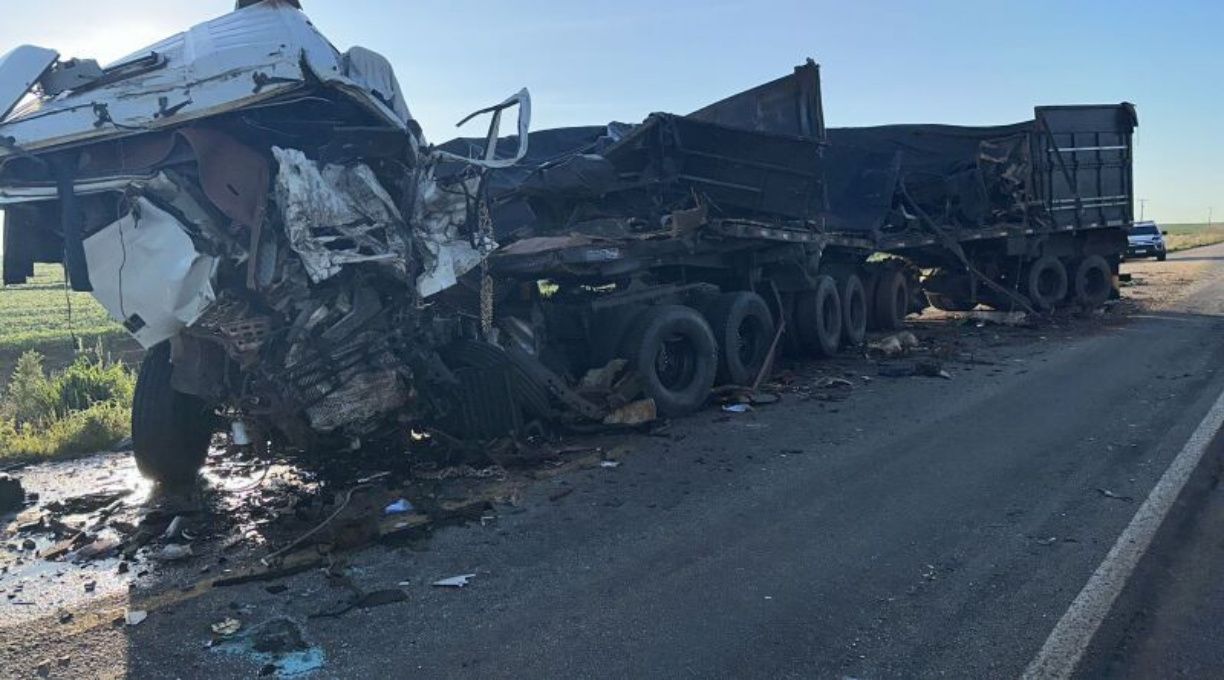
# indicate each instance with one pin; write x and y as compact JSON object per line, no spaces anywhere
{"x":1146,"y":240}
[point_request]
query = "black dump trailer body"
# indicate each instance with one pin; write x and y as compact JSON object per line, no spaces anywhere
{"x":993,"y":212}
{"x":1067,"y":169}
{"x":1083,"y":159}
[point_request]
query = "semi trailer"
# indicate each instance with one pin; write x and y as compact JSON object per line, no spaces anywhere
{"x":307,"y":271}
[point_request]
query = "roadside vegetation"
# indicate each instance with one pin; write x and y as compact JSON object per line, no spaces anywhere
{"x":80,"y":410}
{"x":1186,"y":236}
{"x":64,"y":387}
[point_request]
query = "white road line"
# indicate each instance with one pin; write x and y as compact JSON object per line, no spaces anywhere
{"x":1062,"y":651}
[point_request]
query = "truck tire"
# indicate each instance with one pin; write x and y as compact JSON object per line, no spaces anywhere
{"x":1046,"y":283}
{"x":1092,"y":282}
{"x":854,"y":310}
{"x":891,"y":300}
{"x":477,"y":354}
{"x":1162,"y":257}
{"x":818,"y":318}
{"x":673,"y":349}
{"x":744,"y":330}
{"x":171,"y":431}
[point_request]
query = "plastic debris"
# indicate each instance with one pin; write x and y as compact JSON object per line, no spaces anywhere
{"x":1118,"y":497}
{"x":737,"y":408}
{"x":134,"y":617}
{"x":176,"y":527}
{"x":227,"y":627}
{"x":454,"y":581}
{"x":398,"y":508}
{"x":610,"y":464}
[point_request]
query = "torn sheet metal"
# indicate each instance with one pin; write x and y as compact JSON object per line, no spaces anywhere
{"x":360,"y":398}
{"x":19,"y":70}
{"x":522,"y":99}
{"x":147,"y":273}
{"x":232,"y":62}
{"x":373,"y":73}
{"x":441,"y":223}
{"x":336,"y":216}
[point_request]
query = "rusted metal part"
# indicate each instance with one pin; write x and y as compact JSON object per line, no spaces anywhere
{"x":234,"y":176}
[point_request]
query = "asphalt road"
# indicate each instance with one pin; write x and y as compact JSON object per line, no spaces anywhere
{"x":920,"y":528}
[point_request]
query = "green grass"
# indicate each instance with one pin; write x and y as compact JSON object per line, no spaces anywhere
{"x":80,"y":410}
{"x":40,"y":311}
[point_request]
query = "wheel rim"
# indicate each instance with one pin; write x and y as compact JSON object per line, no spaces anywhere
{"x":676,"y":362}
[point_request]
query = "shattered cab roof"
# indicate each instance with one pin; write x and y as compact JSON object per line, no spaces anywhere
{"x":266,"y":51}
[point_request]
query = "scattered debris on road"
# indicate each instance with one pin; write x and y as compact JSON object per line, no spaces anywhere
{"x":1110,"y":494}
{"x":454,"y":581}
{"x":227,"y":627}
{"x":984,"y":317}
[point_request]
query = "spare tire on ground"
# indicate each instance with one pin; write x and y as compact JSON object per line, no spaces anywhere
{"x":818,"y":318}
{"x":744,"y":329}
{"x":171,"y":431}
{"x":674,"y":351}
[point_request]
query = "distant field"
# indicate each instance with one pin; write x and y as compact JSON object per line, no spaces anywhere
{"x":35,"y":316}
{"x":1185,"y":236}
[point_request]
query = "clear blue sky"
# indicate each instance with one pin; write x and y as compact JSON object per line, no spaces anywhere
{"x":964,"y":61}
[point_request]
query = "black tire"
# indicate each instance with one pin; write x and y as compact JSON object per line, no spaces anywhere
{"x":744,"y":329}
{"x":476,"y":354}
{"x":854,"y":310}
{"x":673,"y":349}
{"x":1046,"y":283}
{"x":1093,"y":282}
{"x":871,"y":281}
{"x":891,"y":300}
{"x":818,"y":318}
{"x":171,"y":431}
{"x":1162,"y":257}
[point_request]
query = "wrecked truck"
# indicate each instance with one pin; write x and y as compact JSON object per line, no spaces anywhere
{"x":263,"y":214}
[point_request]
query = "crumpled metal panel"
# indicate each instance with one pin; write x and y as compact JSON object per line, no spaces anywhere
{"x":19,"y":70}
{"x":440,"y":225}
{"x":336,"y":216}
{"x":147,"y":273}
{"x":361,"y":397}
